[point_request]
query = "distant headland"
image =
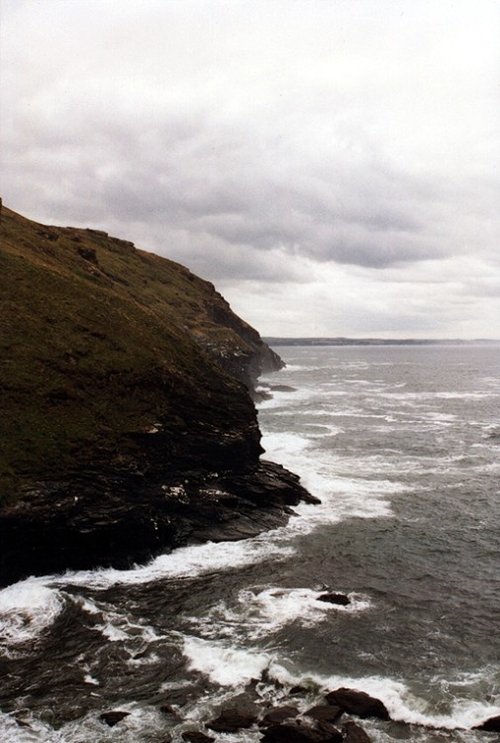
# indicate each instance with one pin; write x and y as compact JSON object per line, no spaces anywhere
{"x":341,"y":341}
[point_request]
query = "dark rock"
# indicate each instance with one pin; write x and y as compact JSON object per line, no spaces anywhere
{"x":112,"y":717}
{"x":298,"y":690}
{"x":335,"y":598}
{"x":167,"y":709}
{"x":354,"y":734}
{"x":195,"y":736}
{"x":279,"y":714}
{"x":296,"y":733}
{"x":88,"y":254}
{"x":111,"y":518}
{"x":358,"y":703}
{"x":329,"y":731}
{"x":325,"y":712}
{"x":492,"y":724}
{"x":232,"y":720}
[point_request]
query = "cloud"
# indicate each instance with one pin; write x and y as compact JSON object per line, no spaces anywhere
{"x":272,"y":142}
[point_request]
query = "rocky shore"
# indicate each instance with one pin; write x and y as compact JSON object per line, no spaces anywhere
{"x":335,"y":719}
{"x":127,"y":423}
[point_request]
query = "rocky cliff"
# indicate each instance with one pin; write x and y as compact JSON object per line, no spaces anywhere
{"x":126,"y":420}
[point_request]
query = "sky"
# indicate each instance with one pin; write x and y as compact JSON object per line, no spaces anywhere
{"x":331,"y":165}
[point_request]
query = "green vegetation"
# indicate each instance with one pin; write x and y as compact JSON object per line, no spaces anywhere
{"x":99,"y":341}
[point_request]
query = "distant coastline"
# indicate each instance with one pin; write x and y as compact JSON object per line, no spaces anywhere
{"x":340,"y":341}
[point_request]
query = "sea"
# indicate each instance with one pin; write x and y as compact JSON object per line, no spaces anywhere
{"x":401,"y":444}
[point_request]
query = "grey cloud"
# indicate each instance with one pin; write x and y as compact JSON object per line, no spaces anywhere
{"x":258,"y":143}
{"x":181,"y":175}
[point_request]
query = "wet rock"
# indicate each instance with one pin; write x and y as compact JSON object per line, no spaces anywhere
{"x":358,"y":703}
{"x":167,"y":709}
{"x":492,"y":724}
{"x":298,"y":690}
{"x":112,"y":717}
{"x":335,"y":598}
{"x":325,"y":712}
{"x":279,"y":714}
{"x":297,"y":733}
{"x":22,"y":723}
{"x":195,"y":736}
{"x":232,"y":720}
{"x":330,"y":732}
{"x":354,"y":734}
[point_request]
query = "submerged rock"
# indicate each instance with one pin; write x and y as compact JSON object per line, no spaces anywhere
{"x":232,"y":720}
{"x":354,"y":734}
{"x":195,"y":736}
{"x":297,"y":733}
{"x":112,"y":717}
{"x":358,"y":703}
{"x":279,"y":714}
{"x":492,"y":724}
{"x":325,"y":712}
{"x":335,"y":598}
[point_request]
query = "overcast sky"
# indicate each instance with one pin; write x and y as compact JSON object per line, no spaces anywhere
{"x":333,"y":166}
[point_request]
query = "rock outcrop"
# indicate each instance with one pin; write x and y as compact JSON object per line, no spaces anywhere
{"x":127,"y":421}
{"x":358,"y":703}
{"x":492,"y":724}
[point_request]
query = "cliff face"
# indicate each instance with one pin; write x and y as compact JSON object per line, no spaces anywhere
{"x":126,"y":423}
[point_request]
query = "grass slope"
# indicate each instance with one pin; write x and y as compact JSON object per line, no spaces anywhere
{"x":97,"y":341}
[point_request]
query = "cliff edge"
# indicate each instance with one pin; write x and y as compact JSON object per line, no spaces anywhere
{"x":126,"y":423}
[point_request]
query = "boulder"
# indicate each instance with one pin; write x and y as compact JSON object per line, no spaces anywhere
{"x":341,"y":599}
{"x":279,"y":714}
{"x":195,"y":736}
{"x":296,"y":733}
{"x":231,"y":720}
{"x":492,"y":724}
{"x":358,"y":703}
{"x":354,"y":734}
{"x":113,"y":716}
{"x":325,"y":712}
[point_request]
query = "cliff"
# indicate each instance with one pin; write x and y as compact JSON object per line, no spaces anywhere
{"x":126,"y":420}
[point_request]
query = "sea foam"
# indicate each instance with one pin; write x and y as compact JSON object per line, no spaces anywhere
{"x":27,"y":609}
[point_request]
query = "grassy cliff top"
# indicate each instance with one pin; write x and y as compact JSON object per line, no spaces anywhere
{"x":100,"y":340}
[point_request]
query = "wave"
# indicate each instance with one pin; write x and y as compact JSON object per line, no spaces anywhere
{"x":259,"y":613}
{"x":402,"y":704}
{"x":184,"y":562}
{"x":27,"y":609}
{"x":231,"y":666}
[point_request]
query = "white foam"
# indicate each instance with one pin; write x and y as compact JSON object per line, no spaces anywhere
{"x":185,"y":562}
{"x":401,"y":704}
{"x":260,"y":613}
{"x":27,"y":609}
{"x":142,"y":723}
{"x":223,"y":663}
{"x":343,"y":485}
{"x":116,"y":626}
{"x":280,"y":398}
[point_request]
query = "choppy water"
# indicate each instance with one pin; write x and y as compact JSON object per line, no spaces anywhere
{"x":402,"y":445}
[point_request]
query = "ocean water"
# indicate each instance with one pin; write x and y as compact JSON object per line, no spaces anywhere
{"x":401,"y":444}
